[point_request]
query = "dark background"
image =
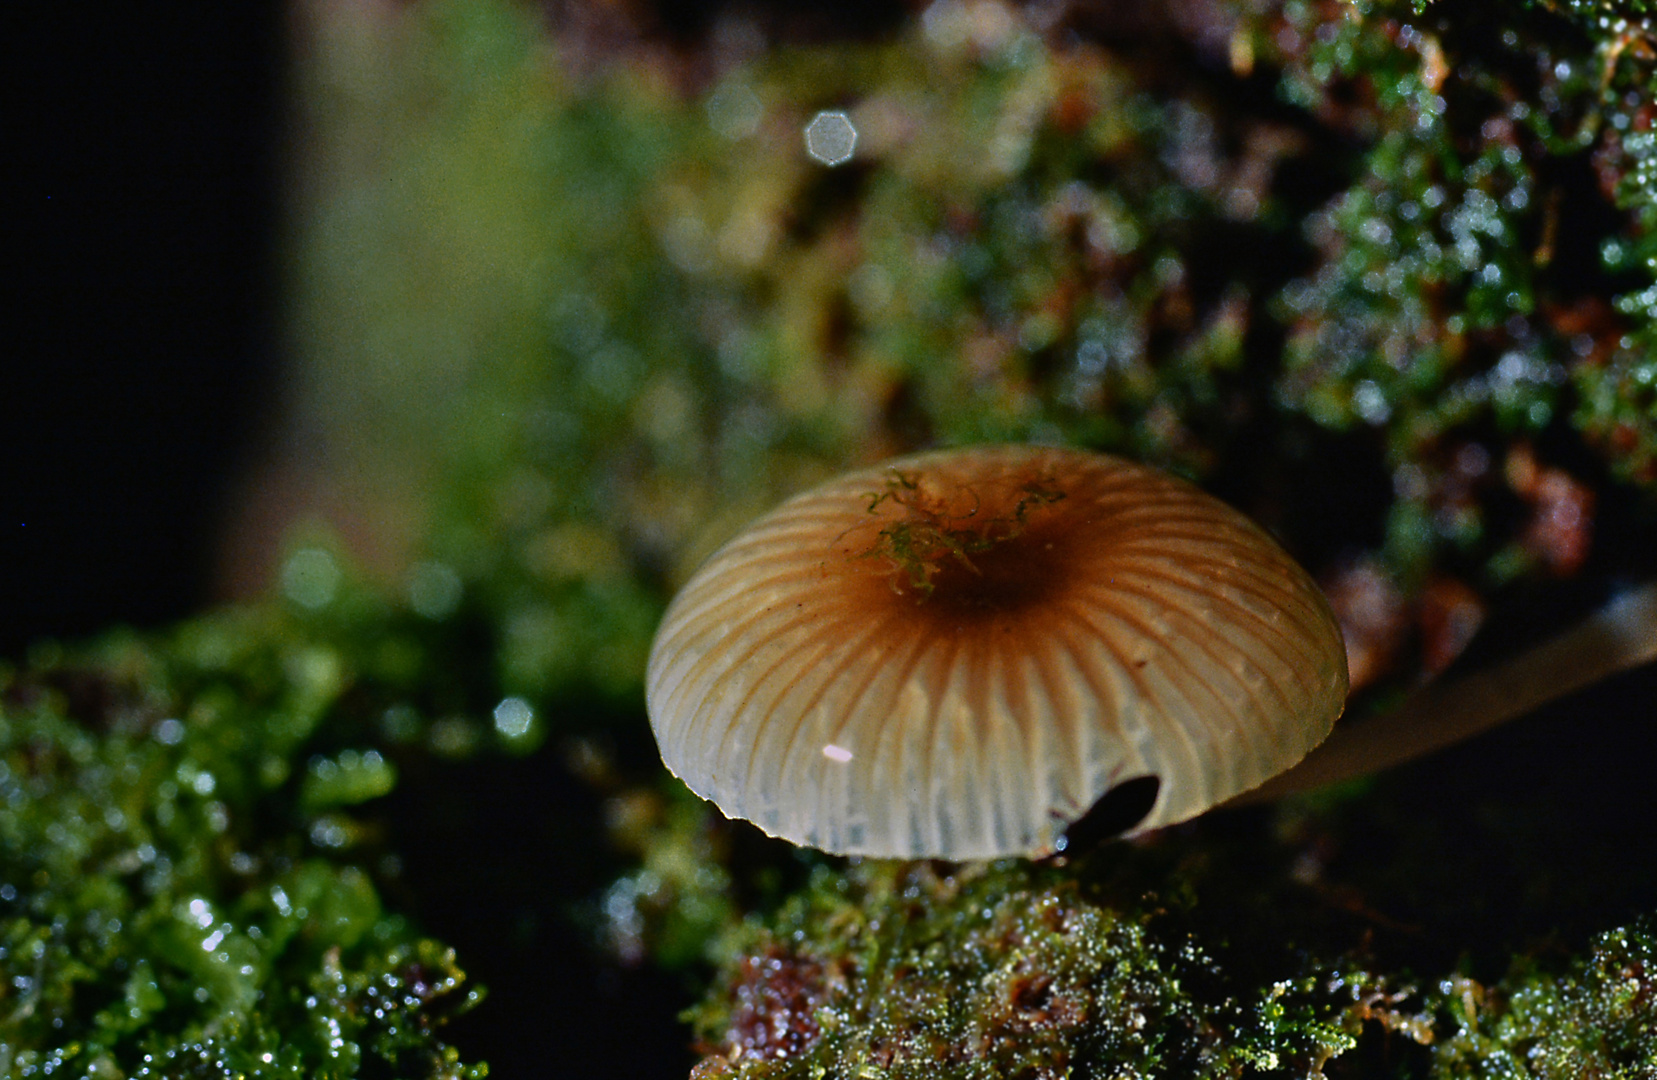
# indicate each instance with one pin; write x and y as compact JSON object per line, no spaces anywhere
{"x":144,"y":143}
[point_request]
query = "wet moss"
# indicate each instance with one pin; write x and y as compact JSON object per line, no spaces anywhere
{"x":180,"y":893}
{"x":1014,"y":970}
{"x":1596,"y":1018}
{"x":1219,"y":952}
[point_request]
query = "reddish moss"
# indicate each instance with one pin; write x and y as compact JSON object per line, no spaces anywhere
{"x":775,"y":996}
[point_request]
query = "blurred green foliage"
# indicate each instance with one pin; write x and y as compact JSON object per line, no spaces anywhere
{"x":570,"y":332}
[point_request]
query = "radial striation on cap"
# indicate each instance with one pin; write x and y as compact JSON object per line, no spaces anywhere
{"x":956,"y":654}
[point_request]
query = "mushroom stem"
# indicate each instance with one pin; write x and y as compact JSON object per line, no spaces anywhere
{"x":1619,"y":636}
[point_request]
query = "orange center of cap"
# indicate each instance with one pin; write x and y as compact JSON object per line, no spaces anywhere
{"x":977,"y":545}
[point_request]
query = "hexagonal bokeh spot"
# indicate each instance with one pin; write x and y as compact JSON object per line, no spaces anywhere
{"x":831,"y":138}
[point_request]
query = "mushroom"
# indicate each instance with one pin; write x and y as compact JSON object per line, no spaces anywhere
{"x":956,"y":654}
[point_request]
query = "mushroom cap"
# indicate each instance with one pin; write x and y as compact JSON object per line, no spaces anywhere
{"x":955,"y":654}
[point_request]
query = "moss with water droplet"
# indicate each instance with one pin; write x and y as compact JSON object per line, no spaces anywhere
{"x":173,"y":900}
{"x":1597,"y":1017}
{"x":1013,"y":970}
{"x":948,"y":973}
{"x":1463,"y":289}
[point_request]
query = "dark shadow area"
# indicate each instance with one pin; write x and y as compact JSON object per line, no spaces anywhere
{"x":142,"y":313}
{"x":503,"y":859}
{"x":1533,"y":836}
{"x":1115,"y":812}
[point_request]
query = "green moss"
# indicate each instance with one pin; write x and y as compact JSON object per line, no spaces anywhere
{"x":1020,"y":971}
{"x":1450,"y":301}
{"x":1191,"y":956}
{"x":1599,"y":1018}
{"x":936,"y":528}
{"x":181,"y":893}
{"x":1609,"y":17}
